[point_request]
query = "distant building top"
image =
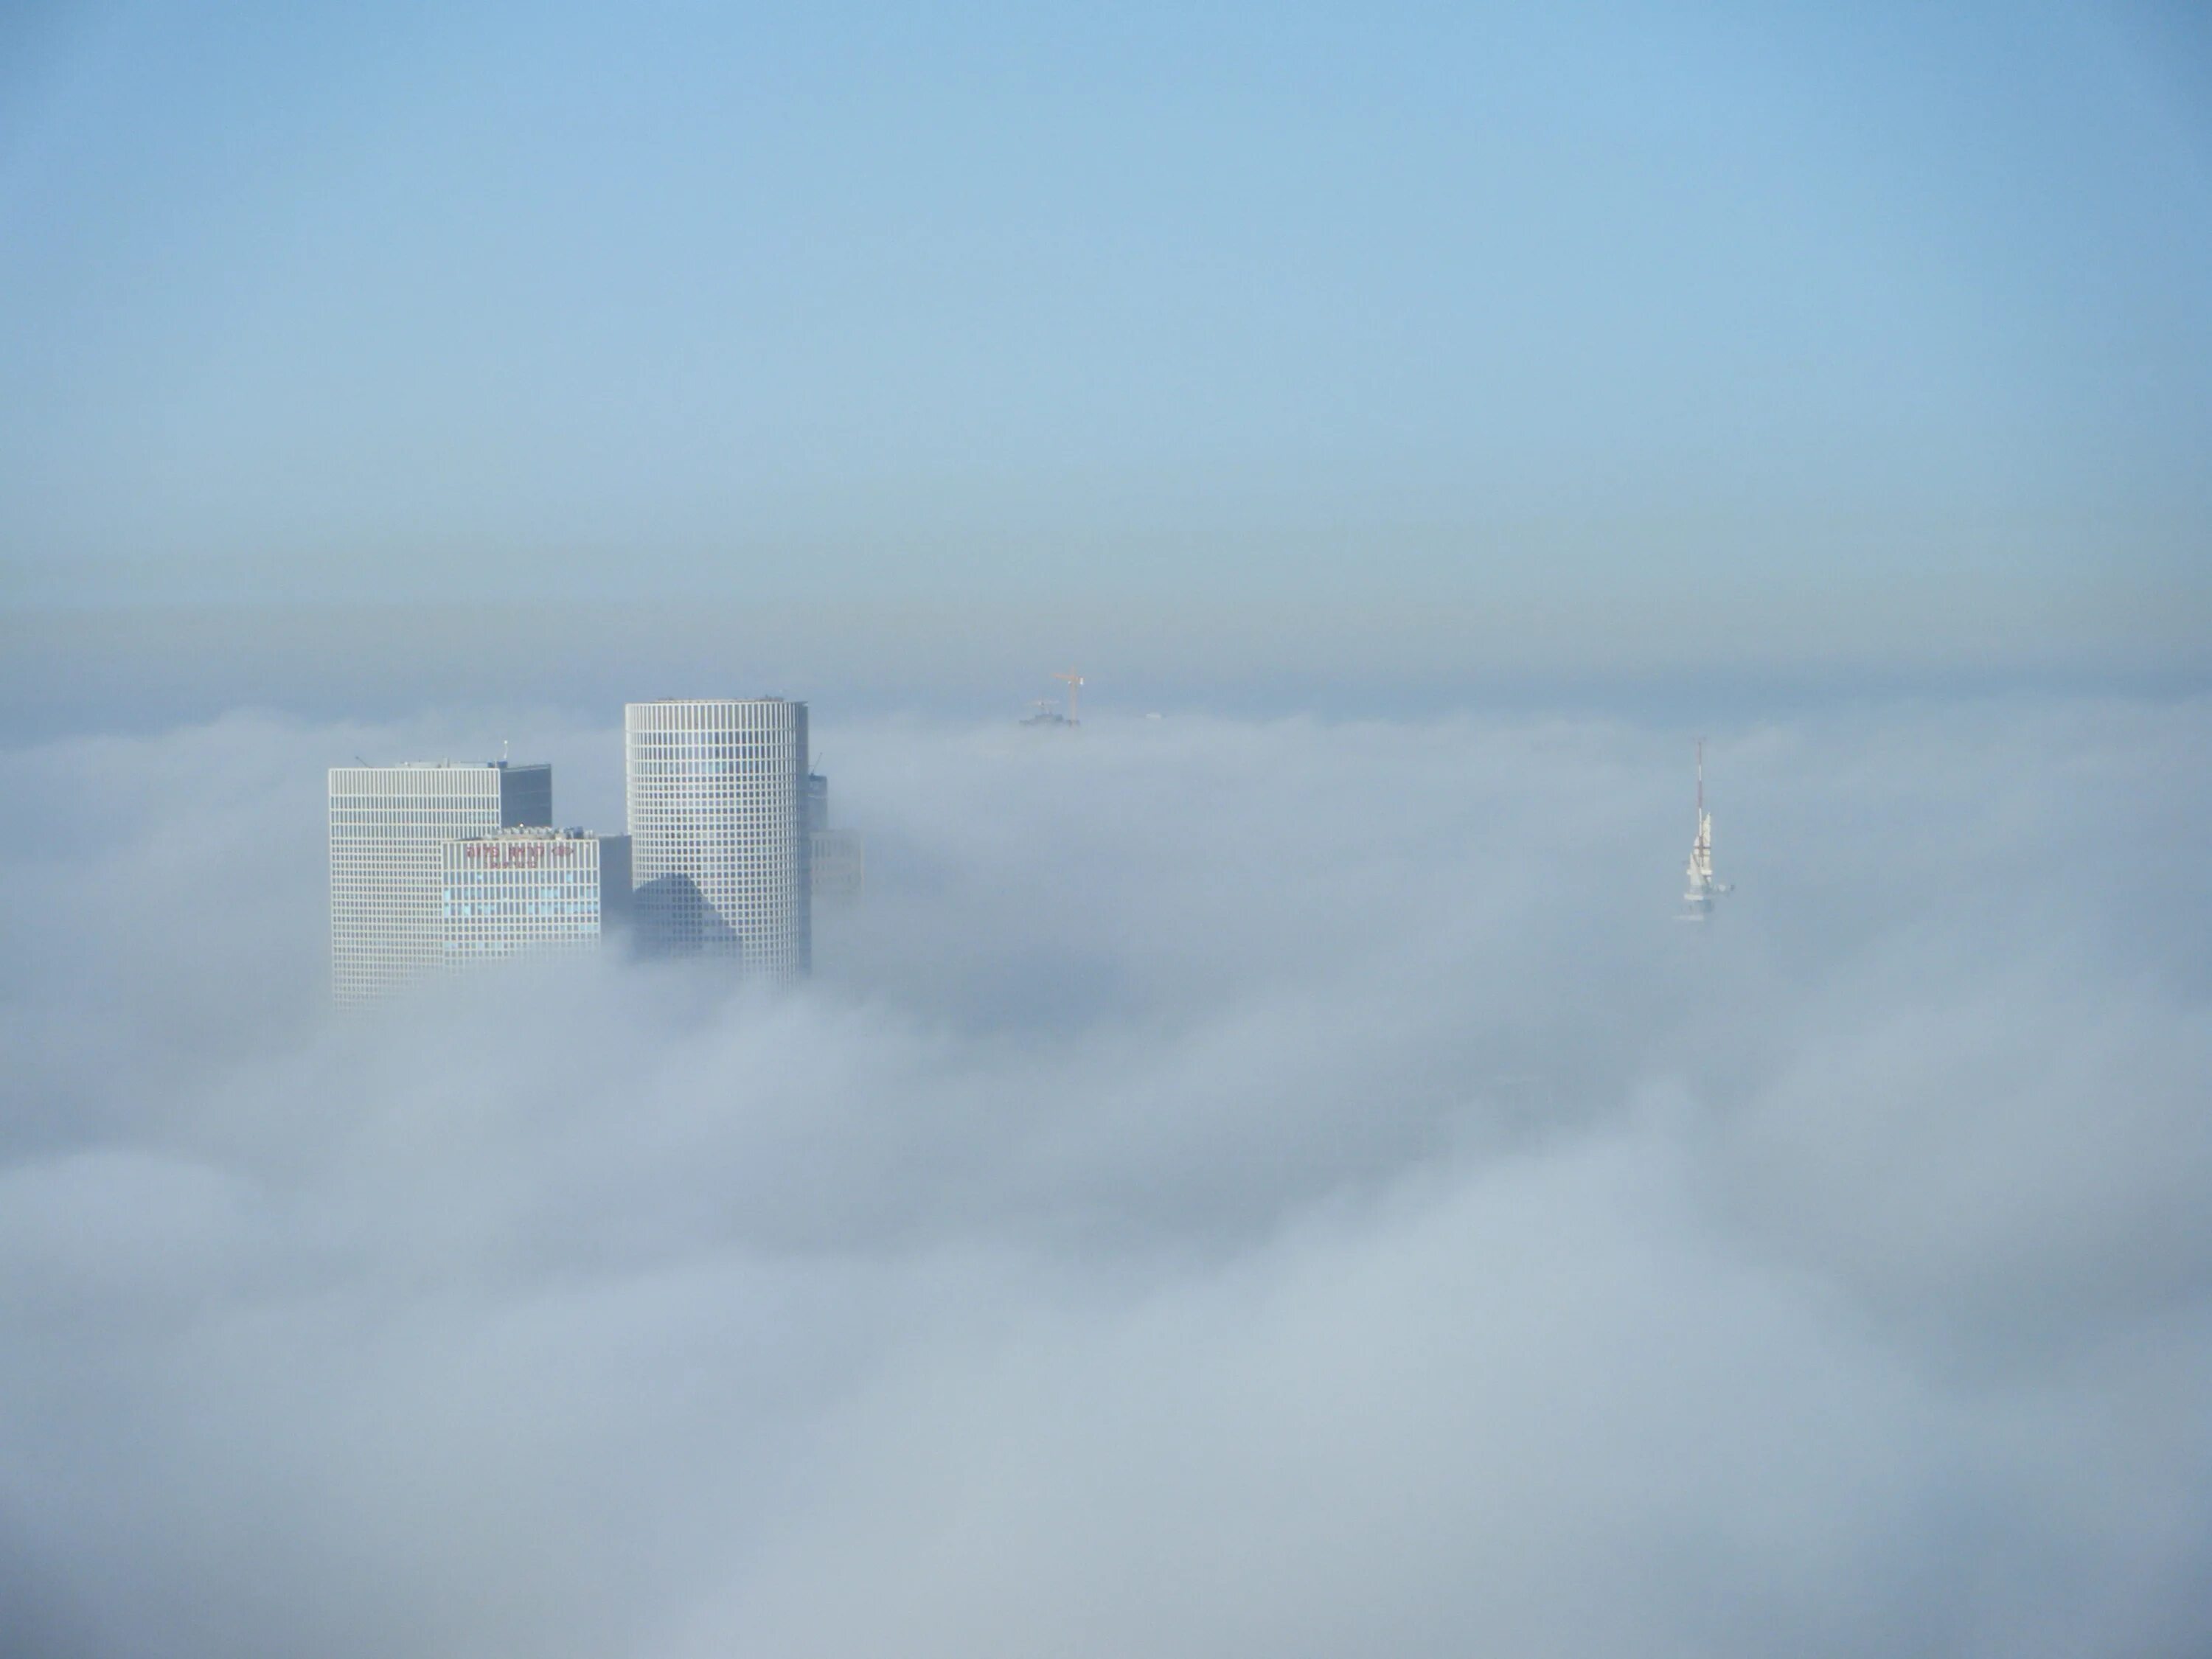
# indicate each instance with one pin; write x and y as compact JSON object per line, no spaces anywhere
{"x":443,"y":766}
{"x":532,"y":832}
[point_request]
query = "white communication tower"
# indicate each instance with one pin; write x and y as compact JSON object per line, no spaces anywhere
{"x":1699,"y":887}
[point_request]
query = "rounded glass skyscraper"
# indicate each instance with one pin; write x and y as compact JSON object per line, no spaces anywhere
{"x":719,"y":844}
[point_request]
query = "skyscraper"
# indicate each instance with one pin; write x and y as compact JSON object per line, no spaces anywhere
{"x":838,"y":865}
{"x":515,"y":891}
{"x":388,"y":825}
{"x":718,"y":824}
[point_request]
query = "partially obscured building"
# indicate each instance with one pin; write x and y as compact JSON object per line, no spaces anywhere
{"x":530,"y":890}
{"x":717,"y":792}
{"x":839,"y":864}
{"x":388,"y":825}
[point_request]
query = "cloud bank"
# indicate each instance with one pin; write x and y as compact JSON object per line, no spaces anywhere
{"x":1233,"y":1188}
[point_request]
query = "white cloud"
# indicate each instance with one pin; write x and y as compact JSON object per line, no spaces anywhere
{"x":1232,"y":1187}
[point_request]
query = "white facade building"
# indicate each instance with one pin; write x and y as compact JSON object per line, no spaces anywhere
{"x":388,"y":825}
{"x":718,"y":824}
{"x":530,"y":890}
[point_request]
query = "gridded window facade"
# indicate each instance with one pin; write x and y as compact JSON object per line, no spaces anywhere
{"x":718,"y":824}
{"x":386,"y":827}
{"x":530,"y":890}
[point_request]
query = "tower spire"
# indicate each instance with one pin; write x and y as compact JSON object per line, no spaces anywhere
{"x":1699,"y":886}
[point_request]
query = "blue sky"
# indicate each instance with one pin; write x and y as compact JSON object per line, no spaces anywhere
{"x":1875,"y":312}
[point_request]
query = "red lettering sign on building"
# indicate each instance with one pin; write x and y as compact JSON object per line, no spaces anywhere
{"x":516,"y":854}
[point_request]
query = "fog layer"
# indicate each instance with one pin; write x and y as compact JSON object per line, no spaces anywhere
{"x":1231,"y":1188}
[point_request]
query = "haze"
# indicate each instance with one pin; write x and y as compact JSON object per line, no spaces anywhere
{"x":1265,"y":1171}
{"x":1233,"y":1188}
{"x":1688,"y":335}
